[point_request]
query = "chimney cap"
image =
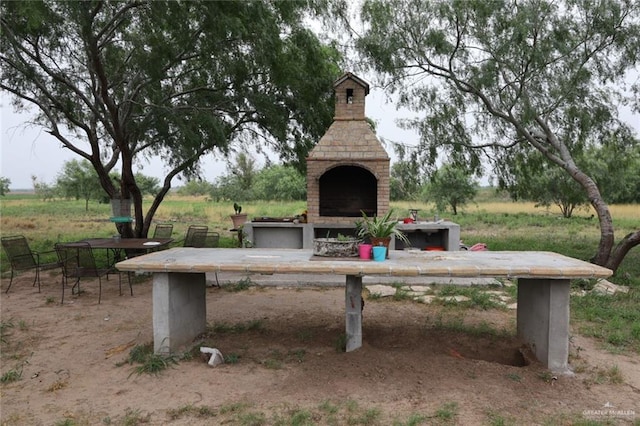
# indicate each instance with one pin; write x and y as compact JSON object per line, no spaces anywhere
{"x":347,"y":76}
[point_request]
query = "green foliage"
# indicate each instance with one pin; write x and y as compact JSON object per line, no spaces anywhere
{"x":4,"y":185}
{"x":451,"y":186}
{"x":150,"y":363}
{"x":196,"y":187}
{"x":611,"y":319}
{"x":243,"y":181}
{"x":279,"y":182}
{"x":4,"y":330}
{"x":615,"y":166}
{"x":176,"y":81}
{"x":43,"y":190}
{"x":447,"y":413}
{"x":11,"y":376}
{"x":406,"y":177}
{"x":379,"y":227}
{"x":499,"y":81}
{"x":80,"y":181}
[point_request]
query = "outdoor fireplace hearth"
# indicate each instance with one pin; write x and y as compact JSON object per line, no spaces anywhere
{"x":347,"y":174}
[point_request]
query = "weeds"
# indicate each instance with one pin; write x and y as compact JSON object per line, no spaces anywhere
{"x":447,"y":413}
{"x":150,"y":363}
{"x":4,"y":328}
{"x":202,"y":411}
{"x":11,"y":376}
{"x":242,"y":285}
{"x":225,"y":328}
{"x":341,"y":343}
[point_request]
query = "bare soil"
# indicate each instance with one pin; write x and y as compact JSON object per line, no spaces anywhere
{"x":414,"y":366}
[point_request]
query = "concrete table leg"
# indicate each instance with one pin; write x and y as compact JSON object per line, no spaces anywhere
{"x":179,"y":309}
{"x":543,"y":320}
{"x":353,"y":308}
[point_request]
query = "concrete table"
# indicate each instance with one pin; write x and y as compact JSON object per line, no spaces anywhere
{"x":179,"y":302}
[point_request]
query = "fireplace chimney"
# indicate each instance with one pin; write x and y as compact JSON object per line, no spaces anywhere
{"x":348,"y":170}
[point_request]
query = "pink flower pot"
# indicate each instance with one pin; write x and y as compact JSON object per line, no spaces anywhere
{"x":365,"y":251}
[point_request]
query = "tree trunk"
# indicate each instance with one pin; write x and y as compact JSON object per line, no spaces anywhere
{"x":621,"y":250}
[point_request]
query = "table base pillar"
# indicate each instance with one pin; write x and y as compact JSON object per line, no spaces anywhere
{"x":543,"y":320}
{"x":179,"y":309}
{"x":353,"y":308}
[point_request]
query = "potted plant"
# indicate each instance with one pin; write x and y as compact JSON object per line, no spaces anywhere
{"x":380,"y":229}
{"x":238,"y":218}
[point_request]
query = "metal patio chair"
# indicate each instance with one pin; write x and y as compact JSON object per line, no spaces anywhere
{"x":191,"y":231}
{"x":206,"y":239}
{"x":77,"y":261}
{"x":22,"y":258}
{"x":163,"y":230}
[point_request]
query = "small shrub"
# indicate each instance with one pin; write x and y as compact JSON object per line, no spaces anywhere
{"x":242,"y":285}
{"x":232,"y":358}
{"x":447,"y":413}
{"x":150,"y":362}
{"x":12,"y":375}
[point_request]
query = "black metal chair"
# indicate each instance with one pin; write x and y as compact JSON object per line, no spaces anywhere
{"x":22,"y":258}
{"x":206,"y":239}
{"x":77,"y":261}
{"x":163,"y":230}
{"x":191,"y":231}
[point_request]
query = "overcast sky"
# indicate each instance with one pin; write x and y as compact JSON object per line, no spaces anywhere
{"x":30,"y":151}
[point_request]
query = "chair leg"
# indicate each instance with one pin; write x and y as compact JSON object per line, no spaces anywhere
{"x":99,"y":289}
{"x":38,"y":278}
{"x":217,"y":282}
{"x":10,"y":282}
{"x":64,"y":283}
{"x":129,"y":279}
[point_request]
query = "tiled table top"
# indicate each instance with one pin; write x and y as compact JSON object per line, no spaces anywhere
{"x":521,"y":264}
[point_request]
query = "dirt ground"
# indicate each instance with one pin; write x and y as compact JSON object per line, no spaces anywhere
{"x":415,"y":367}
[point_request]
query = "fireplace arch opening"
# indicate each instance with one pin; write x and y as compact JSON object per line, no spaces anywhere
{"x":347,"y":191}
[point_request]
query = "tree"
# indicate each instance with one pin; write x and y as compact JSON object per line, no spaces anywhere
{"x":196,"y":187}
{"x":118,"y":82}
{"x":4,"y":185}
{"x":280,"y":182}
{"x":507,"y":78}
{"x":451,"y":186}
{"x":43,"y":189}
{"x":79,"y":180}
{"x":406,"y":177}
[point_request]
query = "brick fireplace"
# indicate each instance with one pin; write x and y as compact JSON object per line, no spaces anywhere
{"x":348,"y":170}
{"x":347,"y":173}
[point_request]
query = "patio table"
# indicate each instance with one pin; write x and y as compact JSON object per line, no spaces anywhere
{"x":179,"y":298}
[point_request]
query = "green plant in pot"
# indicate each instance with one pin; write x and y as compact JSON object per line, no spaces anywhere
{"x":238,"y":218}
{"x":380,"y":229}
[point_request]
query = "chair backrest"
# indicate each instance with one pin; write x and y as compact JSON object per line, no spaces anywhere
{"x":191,"y":231}
{"x":206,"y":239}
{"x":163,"y":230}
{"x":77,"y":260}
{"x":19,"y":253}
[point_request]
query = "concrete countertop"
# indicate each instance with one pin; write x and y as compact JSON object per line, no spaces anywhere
{"x":408,"y":263}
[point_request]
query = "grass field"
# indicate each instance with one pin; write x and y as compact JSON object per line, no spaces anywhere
{"x":501,"y":224}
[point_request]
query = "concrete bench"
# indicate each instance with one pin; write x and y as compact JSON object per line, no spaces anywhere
{"x":179,"y":299}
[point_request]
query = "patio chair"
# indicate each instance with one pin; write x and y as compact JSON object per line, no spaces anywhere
{"x":163,"y":230}
{"x":206,"y":239}
{"x":22,"y":258}
{"x":191,"y":231}
{"x":78,"y":262}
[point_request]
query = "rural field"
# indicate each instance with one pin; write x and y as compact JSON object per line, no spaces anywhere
{"x":445,"y":362}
